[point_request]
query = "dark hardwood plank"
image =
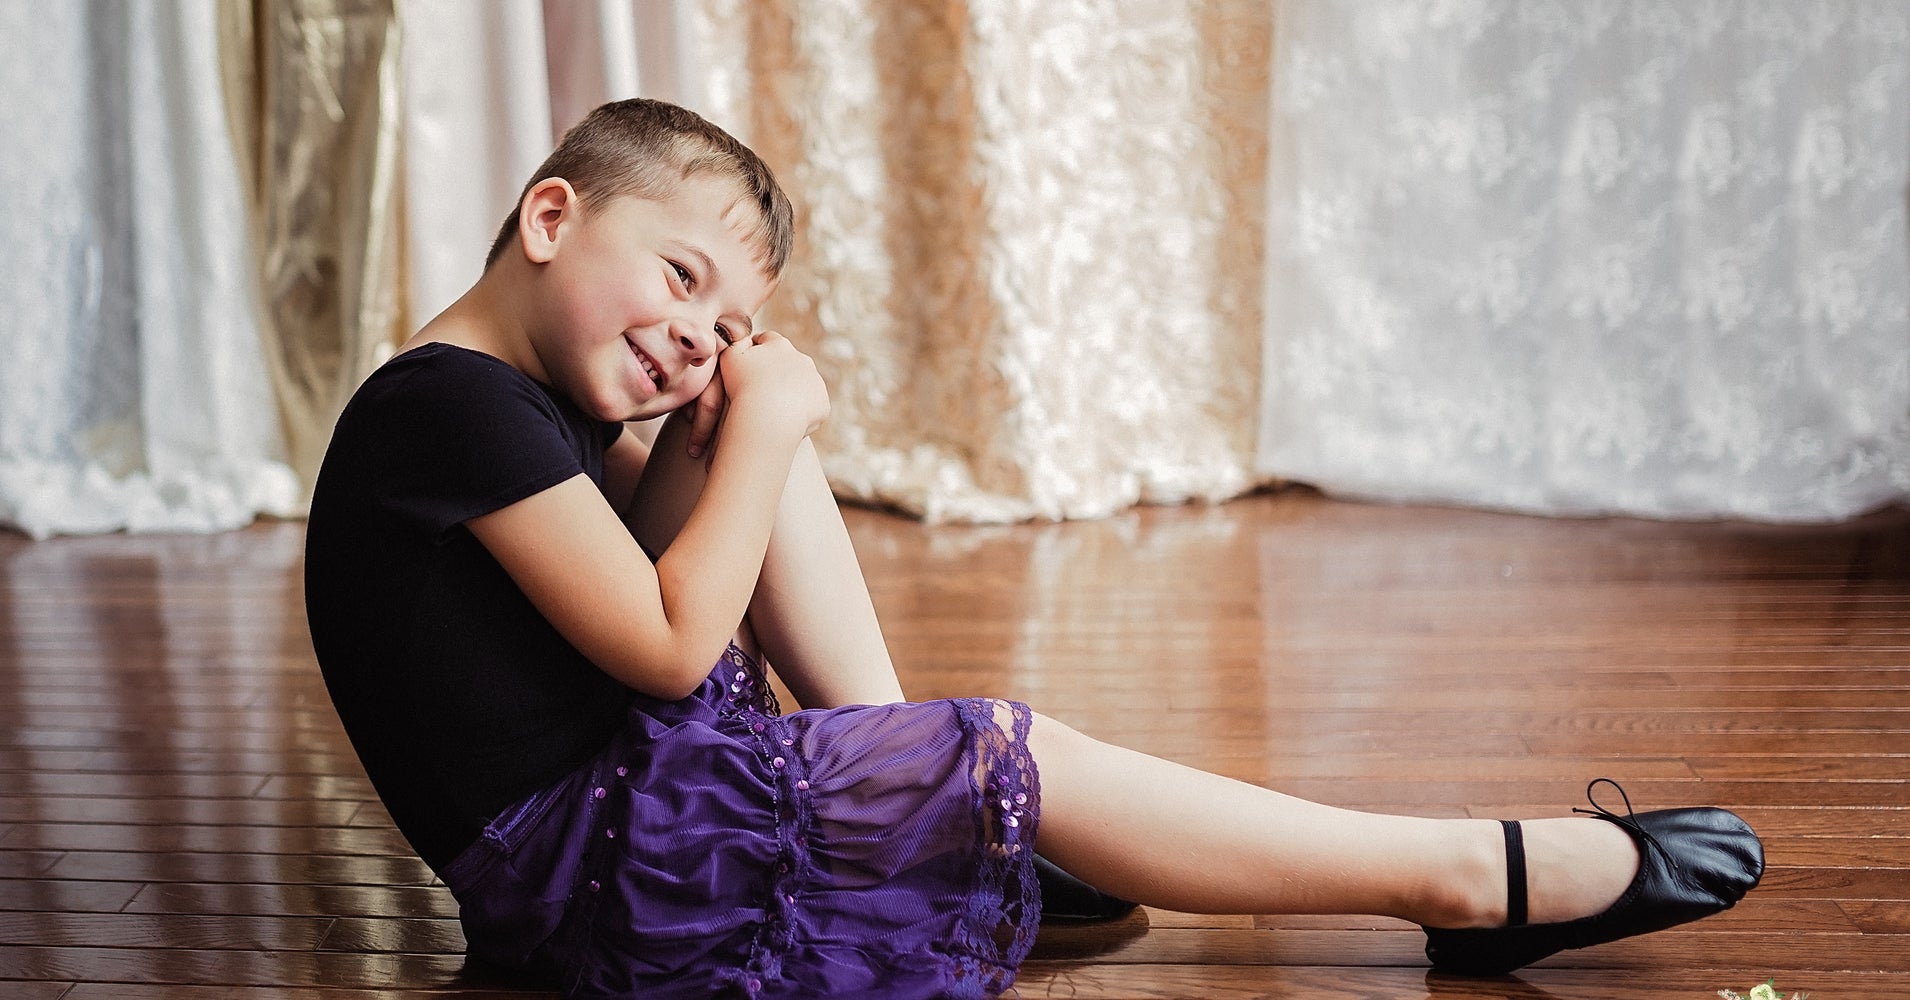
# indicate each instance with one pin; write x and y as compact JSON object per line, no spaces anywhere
{"x":1863,"y":744}
{"x":315,"y":840}
{"x":26,"y":864}
{"x":138,"y":991}
{"x":290,"y":899}
{"x":254,"y":869}
{"x":227,"y":967}
{"x":62,"y":896}
{"x":1876,"y":916}
{"x":37,"y":991}
{"x":167,"y":811}
{"x":121,"y":735}
{"x":1057,"y":980}
{"x":167,"y":932}
{"x":56,"y":784}
{"x":380,"y":934}
{"x":1836,"y":883}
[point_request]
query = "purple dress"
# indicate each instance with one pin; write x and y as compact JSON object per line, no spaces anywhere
{"x":717,"y":848}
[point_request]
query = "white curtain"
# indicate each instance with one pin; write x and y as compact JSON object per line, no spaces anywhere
{"x":133,"y":393}
{"x":1638,"y":257}
{"x":476,"y":123}
{"x":488,"y":89}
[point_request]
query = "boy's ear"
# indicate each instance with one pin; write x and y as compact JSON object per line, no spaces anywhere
{"x":542,"y":217}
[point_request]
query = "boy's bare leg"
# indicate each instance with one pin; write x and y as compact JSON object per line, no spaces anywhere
{"x":1128,"y":823}
{"x":811,"y":616}
{"x":1183,"y":839}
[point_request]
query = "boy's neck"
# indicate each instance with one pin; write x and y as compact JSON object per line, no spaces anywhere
{"x":487,"y":319}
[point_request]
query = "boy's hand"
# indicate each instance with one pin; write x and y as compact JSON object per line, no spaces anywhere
{"x":770,"y":377}
{"x":705,"y":412}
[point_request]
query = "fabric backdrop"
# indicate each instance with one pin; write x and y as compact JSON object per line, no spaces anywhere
{"x":1029,"y":240}
{"x":1641,"y":256}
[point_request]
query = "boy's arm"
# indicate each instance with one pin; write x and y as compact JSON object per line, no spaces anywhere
{"x":623,"y":466}
{"x":659,"y":628}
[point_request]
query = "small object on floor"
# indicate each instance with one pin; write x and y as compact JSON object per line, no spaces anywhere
{"x":1692,"y":863}
{"x":1066,"y":899}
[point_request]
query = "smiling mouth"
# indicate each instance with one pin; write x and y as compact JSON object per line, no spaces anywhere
{"x":649,"y":368}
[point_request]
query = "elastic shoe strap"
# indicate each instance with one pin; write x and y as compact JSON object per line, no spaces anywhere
{"x":1514,"y":873}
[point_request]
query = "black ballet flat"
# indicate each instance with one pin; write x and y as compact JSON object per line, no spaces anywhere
{"x":1066,"y":899}
{"x":1692,"y":863}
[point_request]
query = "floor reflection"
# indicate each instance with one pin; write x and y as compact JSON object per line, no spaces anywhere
{"x":154,"y":680}
{"x":1443,"y":987}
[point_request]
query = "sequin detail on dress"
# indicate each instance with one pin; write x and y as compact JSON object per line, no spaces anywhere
{"x":747,"y":688}
{"x":775,"y":740}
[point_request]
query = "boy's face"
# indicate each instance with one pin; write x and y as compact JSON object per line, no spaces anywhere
{"x":643,"y":295}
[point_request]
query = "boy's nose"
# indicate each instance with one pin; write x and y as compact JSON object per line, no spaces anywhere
{"x":698,"y":346}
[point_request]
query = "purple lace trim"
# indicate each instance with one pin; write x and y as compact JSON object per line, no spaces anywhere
{"x":1004,"y":905}
{"x":747,"y":688}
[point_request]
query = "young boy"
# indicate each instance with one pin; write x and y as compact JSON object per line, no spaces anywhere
{"x":531,"y":691}
{"x":517,"y":606}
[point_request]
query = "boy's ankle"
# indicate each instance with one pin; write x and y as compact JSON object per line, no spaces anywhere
{"x":1471,"y":890}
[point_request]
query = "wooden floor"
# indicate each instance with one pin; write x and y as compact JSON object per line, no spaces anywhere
{"x":181,"y":817}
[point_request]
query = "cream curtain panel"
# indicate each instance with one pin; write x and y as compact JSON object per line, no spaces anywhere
{"x":1055,"y":258}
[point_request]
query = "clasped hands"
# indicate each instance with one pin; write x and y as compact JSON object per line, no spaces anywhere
{"x":761,"y":378}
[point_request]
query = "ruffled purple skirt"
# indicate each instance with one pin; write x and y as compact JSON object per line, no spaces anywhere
{"x":715,"y":848}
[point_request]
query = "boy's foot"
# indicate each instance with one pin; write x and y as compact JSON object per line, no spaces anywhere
{"x":1067,"y":899}
{"x":1575,"y":866}
{"x":1686,"y":864}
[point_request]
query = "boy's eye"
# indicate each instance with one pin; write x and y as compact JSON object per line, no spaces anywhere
{"x":724,"y":332}
{"x":683,"y":274}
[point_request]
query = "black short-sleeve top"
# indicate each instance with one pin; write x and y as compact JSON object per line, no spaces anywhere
{"x":459,"y":697}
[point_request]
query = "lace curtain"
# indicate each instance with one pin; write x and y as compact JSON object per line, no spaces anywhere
{"x":1639,"y":257}
{"x":133,"y":393}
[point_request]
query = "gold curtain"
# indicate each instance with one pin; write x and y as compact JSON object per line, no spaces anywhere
{"x":1030,"y":239}
{"x":312,"y":98}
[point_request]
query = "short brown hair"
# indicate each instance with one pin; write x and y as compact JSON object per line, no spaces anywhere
{"x":645,"y":148}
